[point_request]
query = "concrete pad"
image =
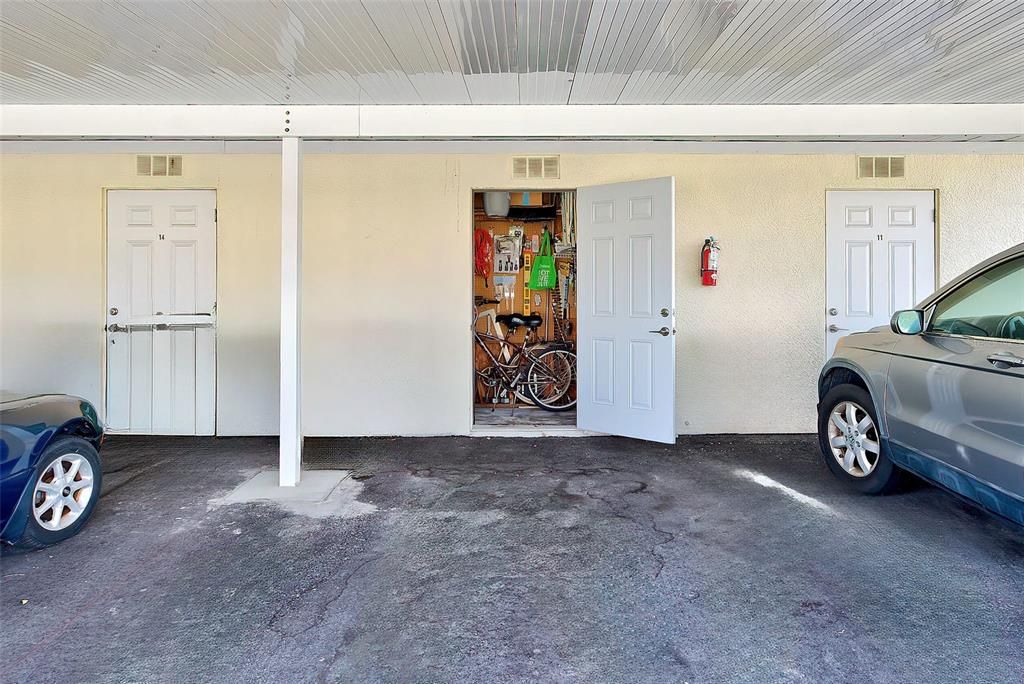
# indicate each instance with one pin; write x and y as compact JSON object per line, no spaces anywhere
{"x":320,"y":494}
{"x":315,"y":485}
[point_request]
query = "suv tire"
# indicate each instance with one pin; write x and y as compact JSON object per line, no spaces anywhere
{"x":882,"y":475}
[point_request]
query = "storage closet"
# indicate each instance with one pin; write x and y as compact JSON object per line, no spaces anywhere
{"x":516,"y":383}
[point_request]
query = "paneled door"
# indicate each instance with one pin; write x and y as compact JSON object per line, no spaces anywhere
{"x":880,"y":257}
{"x":161,"y":311}
{"x":626,"y":316}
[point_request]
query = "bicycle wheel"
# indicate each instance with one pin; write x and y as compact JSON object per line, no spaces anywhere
{"x":551,"y":380}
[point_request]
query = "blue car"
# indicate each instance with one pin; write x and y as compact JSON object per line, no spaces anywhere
{"x":50,"y":471}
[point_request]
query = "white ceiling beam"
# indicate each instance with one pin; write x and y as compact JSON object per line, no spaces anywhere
{"x":171,"y":121}
{"x":660,"y":121}
{"x":350,"y":122}
{"x":969,"y":145}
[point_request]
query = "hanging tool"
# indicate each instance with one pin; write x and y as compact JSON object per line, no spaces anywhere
{"x":527,"y":267}
{"x":483,"y":253}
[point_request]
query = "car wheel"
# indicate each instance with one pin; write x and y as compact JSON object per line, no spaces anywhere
{"x":64,"y":492}
{"x":850,"y":441}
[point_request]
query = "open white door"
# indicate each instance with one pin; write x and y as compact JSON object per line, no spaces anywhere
{"x":626,"y":318}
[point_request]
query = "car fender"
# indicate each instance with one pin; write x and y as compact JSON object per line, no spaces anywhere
{"x":31,"y":425}
{"x":15,"y":527}
{"x":82,"y":423}
{"x":874,"y":382}
{"x":80,"y":427}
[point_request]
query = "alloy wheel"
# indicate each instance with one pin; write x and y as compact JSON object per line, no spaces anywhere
{"x":853,"y":438}
{"x":62,"y":492}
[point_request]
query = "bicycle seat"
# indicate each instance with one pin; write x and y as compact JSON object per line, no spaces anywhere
{"x":511,"y":321}
{"x":515,"y":321}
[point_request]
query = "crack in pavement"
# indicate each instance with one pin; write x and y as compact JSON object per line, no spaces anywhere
{"x":322,"y":676}
{"x":135,"y":473}
{"x":644,"y":519}
{"x":481,"y":470}
{"x":641,"y":488}
{"x":321,"y":612}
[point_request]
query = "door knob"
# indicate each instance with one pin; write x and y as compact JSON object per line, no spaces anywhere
{"x":113,"y":311}
{"x":833,"y":311}
{"x":835,"y":328}
{"x":664,"y":313}
{"x":664,"y":332}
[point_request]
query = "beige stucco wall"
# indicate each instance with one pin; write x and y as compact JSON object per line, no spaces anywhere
{"x":387,"y":287}
{"x":52,"y":265}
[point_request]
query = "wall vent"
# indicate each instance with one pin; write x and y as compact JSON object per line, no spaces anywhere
{"x":158,"y":165}
{"x":534,"y":167}
{"x":881,"y":167}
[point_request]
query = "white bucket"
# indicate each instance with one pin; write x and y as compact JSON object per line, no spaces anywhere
{"x":496,"y":203}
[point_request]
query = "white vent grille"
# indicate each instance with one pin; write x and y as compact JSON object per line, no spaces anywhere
{"x":158,"y":165}
{"x":881,"y":167}
{"x":534,"y":167}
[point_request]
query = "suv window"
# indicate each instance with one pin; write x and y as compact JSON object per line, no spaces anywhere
{"x":989,"y":305}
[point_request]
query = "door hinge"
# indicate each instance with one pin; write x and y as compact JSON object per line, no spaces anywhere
{"x":215,"y":214}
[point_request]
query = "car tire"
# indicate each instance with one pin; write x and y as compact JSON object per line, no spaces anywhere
{"x":68,"y":450}
{"x":883,"y":476}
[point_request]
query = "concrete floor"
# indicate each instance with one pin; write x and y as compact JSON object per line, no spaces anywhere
{"x":556,"y":560}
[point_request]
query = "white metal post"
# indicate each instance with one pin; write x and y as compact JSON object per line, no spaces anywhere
{"x":291,"y":311}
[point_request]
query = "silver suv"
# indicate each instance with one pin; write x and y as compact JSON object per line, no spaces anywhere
{"x":939,"y":393}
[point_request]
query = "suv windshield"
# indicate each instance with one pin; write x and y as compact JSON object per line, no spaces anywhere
{"x":989,"y":305}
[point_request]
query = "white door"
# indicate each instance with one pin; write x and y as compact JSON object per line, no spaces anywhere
{"x":161,"y":311}
{"x":880,"y":257}
{"x":626,"y":315}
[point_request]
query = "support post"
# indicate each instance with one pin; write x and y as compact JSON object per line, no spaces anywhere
{"x":291,"y":311}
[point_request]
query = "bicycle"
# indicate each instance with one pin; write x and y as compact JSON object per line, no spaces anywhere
{"x":541,"y":373}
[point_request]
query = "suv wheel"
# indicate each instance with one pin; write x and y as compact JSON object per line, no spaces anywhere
{"x":850,"y":442}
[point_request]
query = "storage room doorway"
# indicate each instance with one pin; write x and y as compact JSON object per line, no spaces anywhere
{"x":524,"y":309}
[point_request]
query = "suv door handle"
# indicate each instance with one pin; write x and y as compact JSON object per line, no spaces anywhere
{"x":1005,"y":359}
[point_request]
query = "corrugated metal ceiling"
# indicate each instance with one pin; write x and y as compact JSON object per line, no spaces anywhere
{"x":521,"y":52}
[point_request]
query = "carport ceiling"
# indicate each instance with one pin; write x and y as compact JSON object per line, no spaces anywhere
{"x":522,"y":52}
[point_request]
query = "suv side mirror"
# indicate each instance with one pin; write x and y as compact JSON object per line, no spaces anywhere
{"x":907,"y":322}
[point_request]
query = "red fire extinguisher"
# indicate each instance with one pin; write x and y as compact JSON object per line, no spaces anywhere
{"x":709,"y":262}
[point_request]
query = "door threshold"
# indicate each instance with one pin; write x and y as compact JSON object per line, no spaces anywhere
{"x":530,"y":431}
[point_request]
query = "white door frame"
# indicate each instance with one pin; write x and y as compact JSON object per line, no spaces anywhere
{"x":824,"y":246}
{"x":102,"y":333}
{"x":490,"y":430}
